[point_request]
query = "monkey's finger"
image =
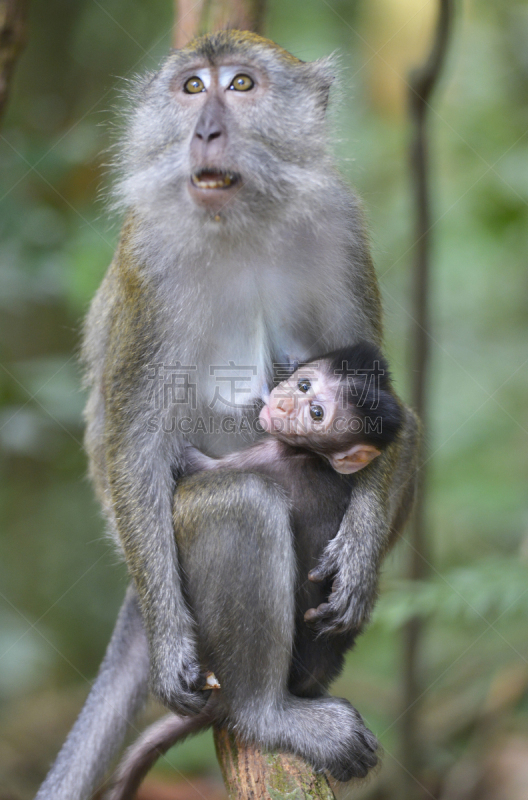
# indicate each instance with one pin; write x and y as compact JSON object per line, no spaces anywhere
{"x":196,"y":684}
{"x":315,"y":614}
{"x":317,"y":575}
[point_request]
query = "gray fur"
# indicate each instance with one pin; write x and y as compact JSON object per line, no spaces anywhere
{"x":117,"y":694}
{"x":238,"y":525}
{"x":282,"y":272}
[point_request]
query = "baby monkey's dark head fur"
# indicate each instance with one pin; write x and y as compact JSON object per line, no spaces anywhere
{"x":365,"y":387}
{"x":231,"y":126}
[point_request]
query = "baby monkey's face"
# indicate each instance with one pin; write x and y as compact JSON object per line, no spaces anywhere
{"x":310,"y":410}
{"x":305,"y":405}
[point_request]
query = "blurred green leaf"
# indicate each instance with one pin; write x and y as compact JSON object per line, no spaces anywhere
{"x":480,"y":593}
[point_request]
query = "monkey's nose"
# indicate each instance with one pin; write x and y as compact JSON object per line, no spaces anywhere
{"x":210,"y":125}
{"x":210,"y":136}
{"x":208,"y":131}
{"x":286,"y":405}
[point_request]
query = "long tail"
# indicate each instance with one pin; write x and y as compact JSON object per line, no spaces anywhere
{"x":117,"y":694}
{"x":153,"y":743}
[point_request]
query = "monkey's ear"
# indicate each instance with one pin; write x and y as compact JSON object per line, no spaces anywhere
{"x":322,"y":75}
{"x":354,"y":459}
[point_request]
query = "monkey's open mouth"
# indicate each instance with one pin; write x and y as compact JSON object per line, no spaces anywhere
{"x":213,"y":179}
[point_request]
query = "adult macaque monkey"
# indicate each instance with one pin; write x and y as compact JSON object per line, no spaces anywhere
{"x":241,"y":249}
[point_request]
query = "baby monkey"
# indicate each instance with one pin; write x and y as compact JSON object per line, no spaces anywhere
{"x":335,"y":408}
{"x":325,"y":423}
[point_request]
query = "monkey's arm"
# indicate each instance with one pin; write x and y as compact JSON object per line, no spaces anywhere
{"x":142,"y":486}
{"x":141,"y":465}
{"x":379,"y":506}
{"x":263,"y":453}
{"x":196,"y":461}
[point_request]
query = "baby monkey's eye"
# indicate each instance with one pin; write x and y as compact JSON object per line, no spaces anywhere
{"x":304,"y":385}
{"x":316,"y":412}
{"x":194,"y":85}
{"x":242,"y":83}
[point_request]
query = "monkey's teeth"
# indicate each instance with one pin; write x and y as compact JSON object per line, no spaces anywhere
{"x":221,"y":182}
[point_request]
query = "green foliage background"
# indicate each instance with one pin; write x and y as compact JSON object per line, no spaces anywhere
{"x":60,"y":581}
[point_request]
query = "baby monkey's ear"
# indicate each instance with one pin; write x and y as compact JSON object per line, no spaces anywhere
{"x":354,"y":459}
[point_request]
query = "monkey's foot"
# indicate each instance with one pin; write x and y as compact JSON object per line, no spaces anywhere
{"x":361,"y":757}
{"x":327,"y":732}
{"x":178,"y":683}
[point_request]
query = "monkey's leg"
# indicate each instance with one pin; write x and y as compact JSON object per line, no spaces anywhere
{"x":119,"y":691}
{"x":317,"y":660}
{"x":234,"y":538}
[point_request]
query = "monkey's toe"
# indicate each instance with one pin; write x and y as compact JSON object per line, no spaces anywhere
{"x":360,"y":758}
{"x":183,"y":697}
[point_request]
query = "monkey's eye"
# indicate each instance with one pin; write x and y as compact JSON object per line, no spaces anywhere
{"x":304,"y":385}
{"x":242,"y":83}
{"x":194,"y":85}
{"x":317,"y":412}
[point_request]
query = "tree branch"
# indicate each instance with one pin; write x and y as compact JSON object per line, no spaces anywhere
{"x":13,"y":15}
{"x":250,"y":773}
{"x":194,"y":17}
{"x":422,"y":82}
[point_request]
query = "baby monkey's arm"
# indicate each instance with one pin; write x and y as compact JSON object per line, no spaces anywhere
{"x":263,"y":453}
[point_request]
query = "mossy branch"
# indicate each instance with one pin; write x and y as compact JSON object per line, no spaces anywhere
{"x":250,"y":772}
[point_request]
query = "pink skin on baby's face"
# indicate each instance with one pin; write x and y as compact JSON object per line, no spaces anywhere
{"x":305,"y":403}
{"x":303,"y":408}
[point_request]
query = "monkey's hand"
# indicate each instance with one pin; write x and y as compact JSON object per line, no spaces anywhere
{"x":196,"y":461}
{"x":177,"y":679}
{"x":353,"y":578}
